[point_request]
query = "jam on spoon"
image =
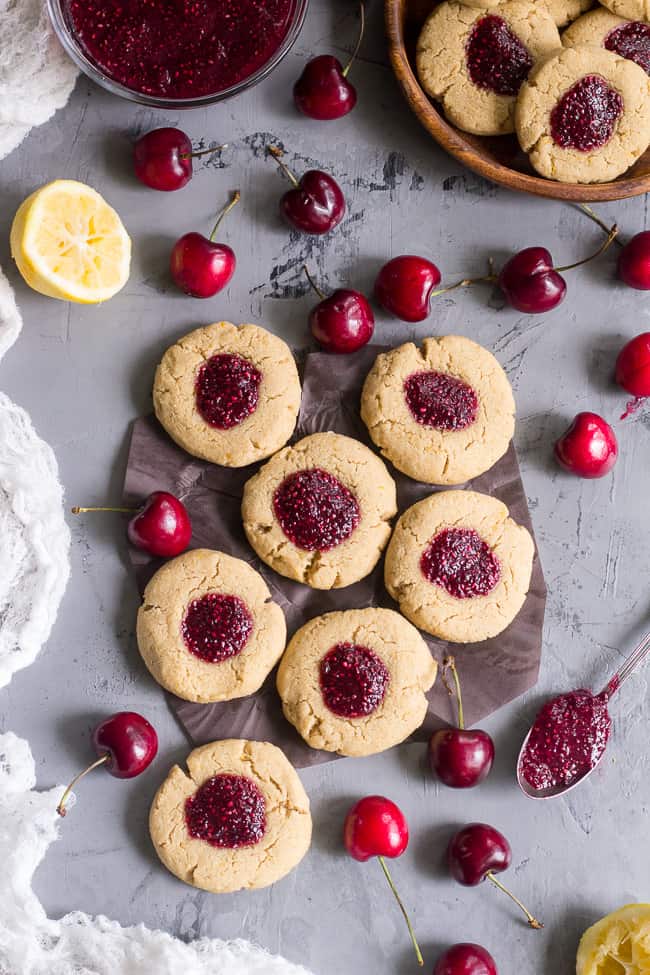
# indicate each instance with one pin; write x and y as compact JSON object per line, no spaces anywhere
{"x":570,"y":735}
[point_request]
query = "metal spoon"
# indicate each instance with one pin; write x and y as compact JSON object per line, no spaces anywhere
{"x":633,"y":661}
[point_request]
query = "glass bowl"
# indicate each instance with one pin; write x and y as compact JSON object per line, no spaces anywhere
{"x":94,"y":72}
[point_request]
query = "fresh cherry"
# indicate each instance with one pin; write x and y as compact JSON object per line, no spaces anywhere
{"x":316,"y":204}
{"x":163,"y":158}
{"x":476,"y":853}
{"x":633,"y":370}
{"x":588,"y":448}
{"x":530,"y":282}
{"x":160,"y":526}
{"x":376,"y":827}
{"x":404,"y":287}
{"x":323,"y":91}
{"x":460,"y":758}
{"x":465,"y":959}
{"x":199,"y":265}
{"x":342,"y":322}
{"x":126,"y":745}
{"x":634,"y":262}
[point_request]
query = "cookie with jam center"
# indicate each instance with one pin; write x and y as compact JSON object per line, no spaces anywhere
{"x":628,"y":38}
{"x":474,"y":60}
{"x":354,"y":682}
{"x":563,"y":12}
{"x":443,"y":413}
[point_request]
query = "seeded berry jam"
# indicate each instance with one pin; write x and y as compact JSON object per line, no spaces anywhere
{"x":353,"y":680}
{"x":179,"y":48}
{"x":496,"y":59}
{"x":458,"y":560}
{"x":227,"y":390}
{"x":216,"y":627}
{"x":227,"y":811}
{"x":631,"y":41}
{"x":316,"y":512}
{"x":586,"y":115}
{"x":569,"y":736}
{"x":439,"y":400}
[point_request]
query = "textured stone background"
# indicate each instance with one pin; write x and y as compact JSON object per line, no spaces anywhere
{"x":84,"y":373}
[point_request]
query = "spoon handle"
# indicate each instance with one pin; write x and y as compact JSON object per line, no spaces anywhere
{"x":637,"y":657}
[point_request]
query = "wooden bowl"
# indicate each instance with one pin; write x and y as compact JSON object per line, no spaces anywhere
{"x":498,"y":158}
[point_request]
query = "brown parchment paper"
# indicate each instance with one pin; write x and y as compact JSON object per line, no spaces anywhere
{"x":492,"y":673}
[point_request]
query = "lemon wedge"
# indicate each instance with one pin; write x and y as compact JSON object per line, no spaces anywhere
{"x":68,"y":243}
{"x":619,"y":944}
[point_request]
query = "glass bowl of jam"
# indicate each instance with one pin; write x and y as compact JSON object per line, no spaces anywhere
{"x":177,"y":53}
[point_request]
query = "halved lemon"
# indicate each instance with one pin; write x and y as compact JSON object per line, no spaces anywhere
{"x":619,"y":944}
{"x":68,"y":243}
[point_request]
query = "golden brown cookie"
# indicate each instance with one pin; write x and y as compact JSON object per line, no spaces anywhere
{"x":475,"y":60}
{"x":563,"y":12}
{"x":354,"y":682}
{"x":442,"y":414}
{"x":459,"y":566}
{"x":584,"y":115}
{"x":208,"y":629}
{"x":228,"y":394}
{"x":238,"y":818}
{"x":320,"y":511}
{"x":630,"y":9}
{"x":601,"y":28}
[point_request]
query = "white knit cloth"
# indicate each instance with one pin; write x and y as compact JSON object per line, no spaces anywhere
{"x":32,"y":944}
{"x":36,"y":75}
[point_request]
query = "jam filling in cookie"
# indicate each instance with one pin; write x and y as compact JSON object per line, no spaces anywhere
{"x":216,"y":627}
{"x":439,"y":400}
{"x":631,"y":41}
{"x":353,"y":680}
{"x":227,"y":390}
{"x":459,"y":561}
{"x":496,"y":59}
{"x":315,"y":511}
{"x":586,"y":115}
{"x":228,"y":811}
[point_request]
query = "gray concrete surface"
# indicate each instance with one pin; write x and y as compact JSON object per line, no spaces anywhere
{"x":84,"y":373}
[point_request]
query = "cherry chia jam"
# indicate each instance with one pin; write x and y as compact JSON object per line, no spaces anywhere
{"x":179,"y":48}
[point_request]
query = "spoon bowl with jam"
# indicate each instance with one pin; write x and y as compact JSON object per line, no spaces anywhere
{"x":177,"y":53}
{"x":569,"y":736}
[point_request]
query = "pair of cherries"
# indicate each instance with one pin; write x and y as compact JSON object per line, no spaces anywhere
{"x":376,"y":827}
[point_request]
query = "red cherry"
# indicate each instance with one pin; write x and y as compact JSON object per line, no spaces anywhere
{"x":589,"y":447}
{"x":160,"y":526}
{"x":200,"y":266}
{"x":343,"y":322}
{"x":126,"y":745}
{"x":634,"y":262}
{"x":476,"y":853}
{"x":633,"y":370}
{"x":460,"y":758}
{"x":374,"y":827}
{"x":322,"y":91}
{"x":316,"y":204}
{"x":465,"y":959}
{"x":530,"y":282}
{"x":404,"y":286}
{"x":163,"y":157}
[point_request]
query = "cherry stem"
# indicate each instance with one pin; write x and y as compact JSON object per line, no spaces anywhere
{"x":203,"y":152}
{"x":450,"y":664}
{"x":236,"y":197}
{"x":601,"y":223}
{"x":313,"y":283}
{"x":534,"y":923}
{"x":611,"y":237}
{"x":418,"y":953}
{"x":277,"y":155}
{"x":82,"y":511}
{"x":362,"y":27}
{"x":465,"y":283}
{"x":61,"y":809}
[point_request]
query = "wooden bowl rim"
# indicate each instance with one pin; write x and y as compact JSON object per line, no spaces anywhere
{"x":453,"y":141}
